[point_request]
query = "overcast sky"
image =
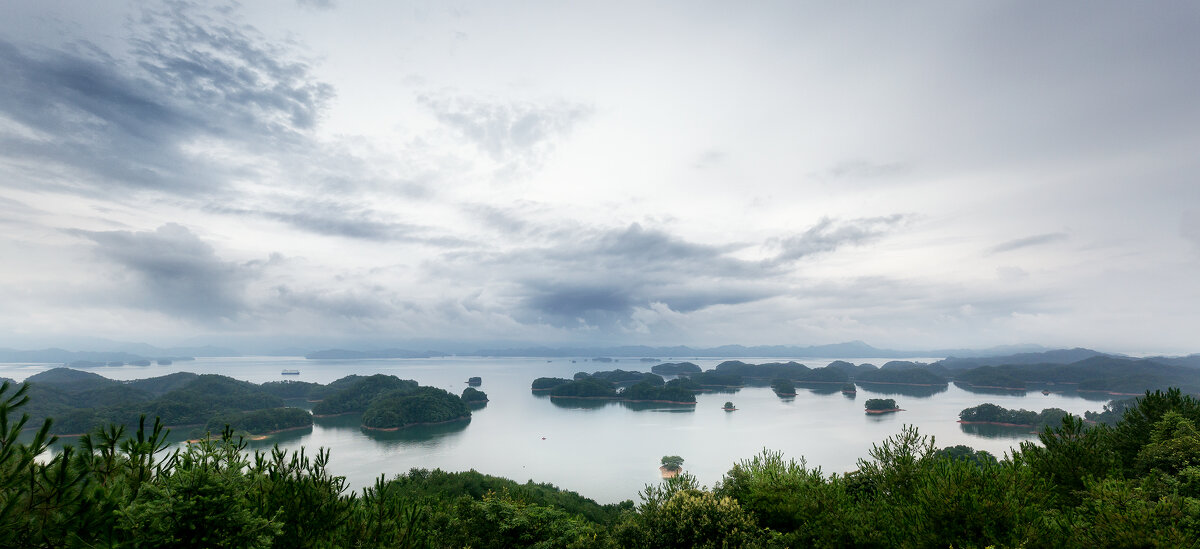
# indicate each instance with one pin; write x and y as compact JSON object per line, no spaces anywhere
{"x":913,"y":175}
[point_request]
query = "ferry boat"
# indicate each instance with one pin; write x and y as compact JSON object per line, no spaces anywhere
{"x":290,"y":373}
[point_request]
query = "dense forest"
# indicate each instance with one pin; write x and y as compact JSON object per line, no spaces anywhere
{"x":81,"y":402}
{"x":991,"y":413}
{"x":1133,"y":484}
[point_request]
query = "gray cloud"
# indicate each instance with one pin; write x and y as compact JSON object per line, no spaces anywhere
{"x":828,"y":235}
{"x":173,"y":271}
{"x":348,"y":221}
{"x":1029,"y":241}
{"x":194,"y":74}
{"x":345,"y":304}
{"x":517,"y":134}
{"x":601,"y":276}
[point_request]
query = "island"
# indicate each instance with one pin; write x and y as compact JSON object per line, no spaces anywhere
{"x":474,"y":397}
{"x":671,"y":466}
{"x":675,"y":368}
{"x":673,"y":392}
{"x":474,"y":381}
{"x":849,"y":389}
{"x":545,"y":384}
{"x":729,"y":407}
{"x":405,"y":407}
{"x":357,"y":396}
{"x":993,"y":414}
{"x":881,"y":406}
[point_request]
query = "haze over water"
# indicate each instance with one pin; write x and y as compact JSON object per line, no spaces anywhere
{"x":607,"y":451}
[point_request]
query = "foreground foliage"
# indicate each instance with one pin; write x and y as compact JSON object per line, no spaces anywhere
{"x":1134,"y":484}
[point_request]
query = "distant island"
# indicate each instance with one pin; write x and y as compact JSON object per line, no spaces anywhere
{"x":675,"y":368}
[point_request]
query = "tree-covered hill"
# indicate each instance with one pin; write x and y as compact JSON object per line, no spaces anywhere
{"x":356,"y":396}
{"x":406,"y":407}
{"x":675,"y":368}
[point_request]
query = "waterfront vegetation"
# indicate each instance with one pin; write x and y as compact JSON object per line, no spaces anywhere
{"x":881,"y":405}
{"x":1133,"y":484}
{"x":991,"y":413}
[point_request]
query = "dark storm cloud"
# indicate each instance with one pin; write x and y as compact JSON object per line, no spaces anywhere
{"x":1029,"y":241}
{"x":193,"y":75}
{"x":516,"y":134}
{"x":173,"y":271}
{"x":829,"y":234}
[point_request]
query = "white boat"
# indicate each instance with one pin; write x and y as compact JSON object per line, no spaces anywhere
{"x":290,"y":373}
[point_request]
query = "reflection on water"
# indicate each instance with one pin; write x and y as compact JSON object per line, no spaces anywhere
{"x":418,"y":433}
{"x":821,"y":388}
{"x":989,"y":430}
{"x":919,"y":391}
{"x":658,"y":406}
{"x":883,"y":418}
{"x":990,"y":390}
{"x":581,"y":403}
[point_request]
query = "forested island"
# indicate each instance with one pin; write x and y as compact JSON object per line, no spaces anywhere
{"x":881,"y":406}
{"x":81,"y":401}
{"x":999,"y":415}
{"x":1132,"y":484}
{"x":606,"y":385}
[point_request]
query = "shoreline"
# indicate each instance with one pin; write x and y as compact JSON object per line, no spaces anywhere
{"x":258,"y":436}
{"x":887,"y":411}
{"x":996,"y":387}
{"x":902,"y":383}
{"x":1001,"y":423}
{"x":619,"y":399}
{"x":421,"y":424}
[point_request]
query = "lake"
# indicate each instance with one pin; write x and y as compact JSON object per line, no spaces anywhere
{"x":608,"y":451}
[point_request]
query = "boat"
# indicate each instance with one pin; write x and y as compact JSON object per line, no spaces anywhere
{"x":290,"y":373}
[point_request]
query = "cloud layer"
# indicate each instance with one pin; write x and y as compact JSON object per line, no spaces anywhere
{"x":331,"y":172}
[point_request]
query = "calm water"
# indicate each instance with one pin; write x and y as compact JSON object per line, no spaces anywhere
{"x":607,"y":450}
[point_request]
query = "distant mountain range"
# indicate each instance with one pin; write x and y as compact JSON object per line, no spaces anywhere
{"x":137,"y":352}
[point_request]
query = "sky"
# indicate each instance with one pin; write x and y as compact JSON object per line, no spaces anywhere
{"x":392,"y":173}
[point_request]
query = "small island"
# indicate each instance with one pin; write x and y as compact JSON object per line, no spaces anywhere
{"x":729,"y":407}
{"x":882,"y":406}
{"x":993,"y":414}
{"x":671,"y":466}
{"x":474,"y":397}
{"x":475,"y":381}
{"x":849,"y":389}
